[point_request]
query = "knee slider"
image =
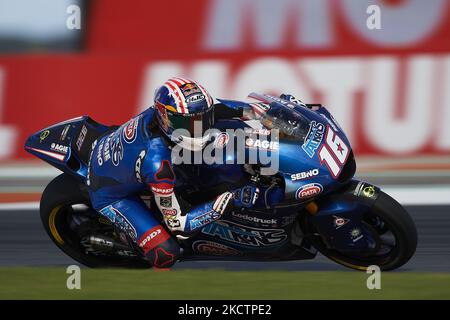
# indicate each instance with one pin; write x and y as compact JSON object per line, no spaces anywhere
{"x":165,"y":254}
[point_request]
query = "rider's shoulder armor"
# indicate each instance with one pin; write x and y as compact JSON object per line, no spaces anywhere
{"x":134,"y":154}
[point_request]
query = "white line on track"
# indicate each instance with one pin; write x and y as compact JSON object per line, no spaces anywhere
{"x":12,"y":206}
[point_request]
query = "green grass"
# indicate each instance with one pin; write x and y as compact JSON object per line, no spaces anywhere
{"x":50,"y":283}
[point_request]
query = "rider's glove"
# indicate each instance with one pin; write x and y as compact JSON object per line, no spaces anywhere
{"x":245,"y":196}
{"x":291,"y":98}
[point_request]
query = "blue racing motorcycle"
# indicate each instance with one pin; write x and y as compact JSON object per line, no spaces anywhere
{"x":310,"y":203}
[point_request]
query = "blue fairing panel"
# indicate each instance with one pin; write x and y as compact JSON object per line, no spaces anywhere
{"x":66,"y":145}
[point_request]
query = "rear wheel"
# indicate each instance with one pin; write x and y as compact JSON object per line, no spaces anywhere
{"x":394,"y":232}
{"x":81,"y":232}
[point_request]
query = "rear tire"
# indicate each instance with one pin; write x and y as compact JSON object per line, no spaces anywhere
{"x":62,"y":192}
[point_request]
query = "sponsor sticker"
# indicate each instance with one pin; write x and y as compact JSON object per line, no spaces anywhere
{"x":339,"y":222}
{"x":204,"y":219}
{"x":173,"y":223}
{"x":152,"y":238}
{"x":169,"y":212}
{"x":138,"y":166}
{"x":261,"y":144}
{"x":63,"y":135}
{"x":245,"y":235}
{"x":165,"y":202}
{"x":214,"y":249}
{"x":190,"y":89}
{"x":262,"y":131}
{"x":221,"y":140}
{"x":256,"y":220}
{"x":59,"y":148}
{"x":305,"y":174}
{"x":43,"y":135}
{"x":314,"y":138}
{"x":116,"y":148}
{"x":116,"y":217}
{"x":356,"y":235}
{"x":162,"y":190}
{"x":368,"y":191}
{"x":130,"y":130}
{"x":365,"y":190}
{"x":195,"y":98}
{"x":308,"y":191}
{"x":81,"y":137}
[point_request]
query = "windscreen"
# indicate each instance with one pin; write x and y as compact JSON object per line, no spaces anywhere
{"x":291,"y":124}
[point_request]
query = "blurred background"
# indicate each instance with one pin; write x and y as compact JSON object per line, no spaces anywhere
{"x":388,"y":87}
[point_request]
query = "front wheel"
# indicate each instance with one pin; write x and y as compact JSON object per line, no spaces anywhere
{"x":391,"y":225}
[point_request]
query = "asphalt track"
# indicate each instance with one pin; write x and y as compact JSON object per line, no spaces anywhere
{"x":23,"y":242}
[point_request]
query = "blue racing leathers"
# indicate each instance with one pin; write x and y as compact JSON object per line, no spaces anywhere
{"x":127,"y":161}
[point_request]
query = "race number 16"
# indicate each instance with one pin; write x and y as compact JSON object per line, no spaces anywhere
{"x":334,"y":152}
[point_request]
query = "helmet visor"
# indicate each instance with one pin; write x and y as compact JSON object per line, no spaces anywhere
{"x":196,"y":124}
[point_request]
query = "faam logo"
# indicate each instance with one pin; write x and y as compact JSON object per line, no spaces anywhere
{"x":129,"y":131}
{"x":245,"y":235}
{"x":308,"y":191}
{"x":116,"y":217}
{"x":314,"y":138}
{"x":305,"y":174}
{"x":204,"y":219}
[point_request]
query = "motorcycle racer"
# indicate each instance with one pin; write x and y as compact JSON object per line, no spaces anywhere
{"x":137,"y":155}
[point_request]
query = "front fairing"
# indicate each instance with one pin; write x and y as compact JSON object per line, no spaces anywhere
{"x":305,"y":172}
{"x":318,"y":159}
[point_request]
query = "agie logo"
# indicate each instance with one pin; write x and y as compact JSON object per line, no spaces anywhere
{"x":308,"y":191}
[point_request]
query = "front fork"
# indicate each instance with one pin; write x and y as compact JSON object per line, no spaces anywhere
{"x":339,"y":217}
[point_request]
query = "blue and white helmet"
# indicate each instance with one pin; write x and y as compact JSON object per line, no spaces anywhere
{"x":185,"y":111}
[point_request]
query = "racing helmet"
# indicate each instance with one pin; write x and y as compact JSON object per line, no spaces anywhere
{"x":184,"y":111}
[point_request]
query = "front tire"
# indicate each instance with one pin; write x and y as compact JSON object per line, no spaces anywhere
{"x":386,"y":216}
